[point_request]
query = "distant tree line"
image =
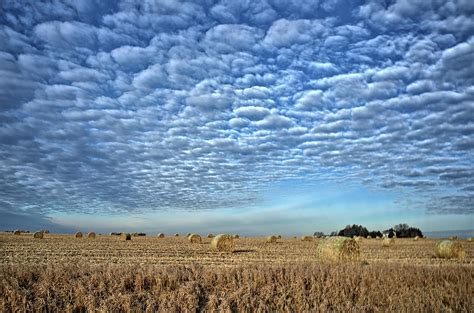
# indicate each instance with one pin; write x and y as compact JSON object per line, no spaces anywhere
{"x":400,"y":231}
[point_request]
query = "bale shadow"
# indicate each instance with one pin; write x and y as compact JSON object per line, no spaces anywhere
{"x":245,"y":251}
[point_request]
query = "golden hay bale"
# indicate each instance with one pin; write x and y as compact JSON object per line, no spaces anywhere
{"x":453,"y":238}
{"x":358,"y":238}
{"x":469,"y":239}
{"x":272,"y":239}
{"x":223,"y":243}
{"x":194,"y":238}
{"x":306,"y":238}
{"x":387,"y":242}
{"x":17,"y":232}
{"x":78,"y":234}
{"x":236,"y":236}
{"x":369,"y":237}
{"x":338,"y":248}
{"x":125,"y":236}
{"x":38,"y":235}
{"x":134,"y":234}
{"x":210,"y":236}
{"x":279,"y":236}
{"x":176,"y":235}
{"x":188,"y":234}
{"x":91,"y":235}
{"x":161,"y":235}
{"x":416,"y":238}
{"x":448,"y":249}
{"x":378,"y":237}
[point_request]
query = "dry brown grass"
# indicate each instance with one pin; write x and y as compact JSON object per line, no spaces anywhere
{"x":177,"y":250}
{"x":306,"y":287}
{"x":61,"y":274}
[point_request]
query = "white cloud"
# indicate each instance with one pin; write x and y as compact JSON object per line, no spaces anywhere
{"x":141,"y":106}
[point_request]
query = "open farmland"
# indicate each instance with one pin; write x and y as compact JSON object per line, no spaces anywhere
{"x":167,"y":274}
{"x":178,"y":250}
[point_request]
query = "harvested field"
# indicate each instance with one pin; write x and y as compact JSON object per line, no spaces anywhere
{"x":114,"y":275}
{"x":176,"y":288}
{"x":178,"y":250}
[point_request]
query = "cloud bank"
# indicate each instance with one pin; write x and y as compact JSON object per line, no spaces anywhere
{"x":151,"y":105}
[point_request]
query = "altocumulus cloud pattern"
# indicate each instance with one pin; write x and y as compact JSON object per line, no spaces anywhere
{"x":131,"y":106}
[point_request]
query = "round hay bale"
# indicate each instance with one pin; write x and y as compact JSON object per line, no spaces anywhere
{"x":416,"y":238}
{"x":378,"y":237}
{"x":272,"y":239}
{"x":449,"y":249}
{"x":91,"y":235}
{"x":387,"y":242}
{"x":125,"y":236}
{"x":176,"y":235}
{"x":306,"y":238}
{"x":194,"y":238}
{"x":210,"y":236}
{"x":223,"y":243}
{"x":279,"y":236}
{"x":358,"y":238}
{"x":469,"y":239}
{"x":236,"y":236}
{"x":17,"y":232}
{"x":38,"y":235}
{"x":134,"y":234}
{"x":369,"y":237}
{"x":161,"y":235}
{"x":78,"y":234}
{"x":338,"y":248}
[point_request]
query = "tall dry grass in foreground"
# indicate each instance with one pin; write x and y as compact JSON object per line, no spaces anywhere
{"x":305,"y":287}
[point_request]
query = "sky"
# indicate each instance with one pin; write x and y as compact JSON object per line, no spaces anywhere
{"x":248,"y":117}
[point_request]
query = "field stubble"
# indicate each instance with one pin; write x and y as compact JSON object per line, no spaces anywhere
{"x":63,"y":273}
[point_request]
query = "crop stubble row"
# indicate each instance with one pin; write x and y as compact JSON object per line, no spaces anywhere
{"x":172,"y":250}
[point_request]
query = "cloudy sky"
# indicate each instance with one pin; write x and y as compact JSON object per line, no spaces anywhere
{"x":238,"y":116}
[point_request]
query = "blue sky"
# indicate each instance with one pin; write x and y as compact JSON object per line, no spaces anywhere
{"x":236,"y":116}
